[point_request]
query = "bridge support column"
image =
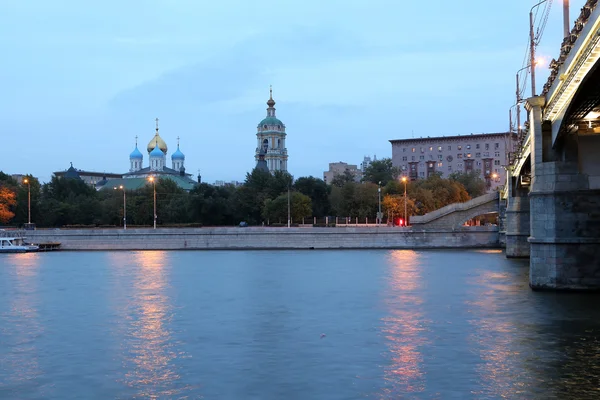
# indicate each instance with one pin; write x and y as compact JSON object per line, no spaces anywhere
{"x":565,"y":230}
{"x":517,"y":227}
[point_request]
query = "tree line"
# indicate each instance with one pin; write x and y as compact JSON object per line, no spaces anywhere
{"x":261,"y":199}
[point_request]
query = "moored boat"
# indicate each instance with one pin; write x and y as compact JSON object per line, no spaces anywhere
{"x":15,"y":245}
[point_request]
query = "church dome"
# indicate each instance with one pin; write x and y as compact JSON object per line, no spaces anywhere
{"x":178,"y":155}
{"x":136,"y":154}
{"x":157,"y":140}
{"x":156,"y":152}
{"x":270,"y":121}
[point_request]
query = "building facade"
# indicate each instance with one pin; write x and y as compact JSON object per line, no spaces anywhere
{"x":484,"y":154}
{"x":366,"y":162}
{"x":338,"y":168}
{"x":270,"y":138}
{"x":90,"y":177}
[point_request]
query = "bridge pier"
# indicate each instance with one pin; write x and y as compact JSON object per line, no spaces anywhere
{"x":565,"y":215}
{"x":517,"y":227}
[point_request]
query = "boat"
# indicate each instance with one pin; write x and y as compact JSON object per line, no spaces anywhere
{"x":14,"y":243}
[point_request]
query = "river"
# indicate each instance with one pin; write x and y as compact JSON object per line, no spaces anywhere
{"x":290,"y":325}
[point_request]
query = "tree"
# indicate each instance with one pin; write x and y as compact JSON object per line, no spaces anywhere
{"x":381,"y":171}
{"x":318,"y":192}
{"x":394,"y":205}
{"x":471,"y":181}
{"x":340,"y":180}
{"x":7,"y":203}
{"x":277,"y":209}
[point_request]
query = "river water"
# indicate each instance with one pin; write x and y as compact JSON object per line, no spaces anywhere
{"x":290,"y":325}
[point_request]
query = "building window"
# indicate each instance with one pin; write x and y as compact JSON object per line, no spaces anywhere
{"x":430,"y":148}
{"x":486,"y":153}
{"x":496,"y":162}
{"x":404,"y":158}
{"x":404,"y":149}
{"x":422,"y":173}
{"x":459,"y":155}
{"x":449,"y":167}
{"x":460,"y":165}
{"x":477,"y":154}
{"x":431,"y":156}
{"x":439,"y":148}
{"x":422,"y":150}
{"x":487,"y":146}
{"x":404,"y":168}
{"x":496,"y":145}
{"x":479,"y":163}
{"x":459,"y":147}
{"x":468,"y":147}
{"x":449,"y":147}
{"x":477,"y":146}
{"x":440,"y":156}
{"x":497,"y":154}
{"x":468,"y":155}
{"x":421,"y":157}
{"x":413,"y":149}
{"x":440,"y":164}
{"x":413,"y":158}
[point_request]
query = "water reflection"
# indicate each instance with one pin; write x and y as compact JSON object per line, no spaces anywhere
{"x":150,"y":350}
{"x":21,"y":326}
{"x":403,"y":327}
{"x":496,"y":335}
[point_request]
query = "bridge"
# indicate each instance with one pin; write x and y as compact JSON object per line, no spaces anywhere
{"x":552,"y":191}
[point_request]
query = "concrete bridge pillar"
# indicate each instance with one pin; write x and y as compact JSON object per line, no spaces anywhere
{"x":565,"y":217}
{"x":516,"y":221}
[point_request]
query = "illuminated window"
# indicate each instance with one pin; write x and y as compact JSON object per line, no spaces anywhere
{"x":459,"y":147}
{"x":439,"y":148}
{"x":440,"y":164}
{"x":468,"y":155}
{"x":430,"y":148}
{"x":413,"y":149}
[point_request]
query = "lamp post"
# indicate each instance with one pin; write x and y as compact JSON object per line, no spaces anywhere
{"x":26,"y":180}
{"x":124,"y":206}
{"x":289,"y":211}
{"x":405,"y":205}
{"x":532,"y":46}
{"x":153,"y":180}
{"x":379,"y":195}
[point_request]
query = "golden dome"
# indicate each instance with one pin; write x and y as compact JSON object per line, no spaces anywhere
{"x":157,"y":140}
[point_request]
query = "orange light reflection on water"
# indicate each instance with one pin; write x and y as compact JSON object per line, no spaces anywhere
{"x":403,"y":326}
{"x":149,"y":348}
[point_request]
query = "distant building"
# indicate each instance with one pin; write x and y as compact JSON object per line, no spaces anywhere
{"x":485,"y":154}
{"x":270,"y":137}
{"x":338,"y":168}
{"x":366,"y":162}
{"x":90,"y":177}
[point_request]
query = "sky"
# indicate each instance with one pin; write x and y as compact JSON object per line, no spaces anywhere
{"x":80,"y":80}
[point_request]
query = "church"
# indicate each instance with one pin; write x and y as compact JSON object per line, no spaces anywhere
{"x":271,"y":153}
{"x":138,"y":175}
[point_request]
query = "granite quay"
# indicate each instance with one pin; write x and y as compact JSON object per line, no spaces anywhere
{"x":262,"y":238}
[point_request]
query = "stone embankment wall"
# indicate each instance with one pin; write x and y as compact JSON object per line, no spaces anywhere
{"x":266,"y":238}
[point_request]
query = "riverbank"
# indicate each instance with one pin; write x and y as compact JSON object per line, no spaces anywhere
{"x":265,"y":238}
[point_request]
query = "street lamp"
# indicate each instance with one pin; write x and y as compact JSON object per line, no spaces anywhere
{"x":379,"y":195}
{"x":124,"y":206}
{"x":405,"y":205}
{"x":532,"y":46}
{"x":153,"y":180}
{"x":289,"y":211}
{"x":26,"y":180}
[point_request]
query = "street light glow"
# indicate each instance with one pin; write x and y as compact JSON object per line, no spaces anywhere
{"x":25,"y":180}
{"x":403,"y":179}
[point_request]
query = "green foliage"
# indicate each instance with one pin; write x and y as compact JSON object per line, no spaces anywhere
{"x":318,"y":192}
{"x":381,"y":171}
{"x":276,"y":210}
{"x":341,"y":179}
{"x":471,"y":181}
